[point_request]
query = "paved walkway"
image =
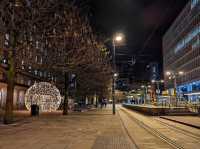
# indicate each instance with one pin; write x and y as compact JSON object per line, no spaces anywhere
{"x":97,"y":129}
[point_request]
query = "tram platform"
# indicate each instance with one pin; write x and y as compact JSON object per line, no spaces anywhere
{"x":192,"y":121}
{"x":160,"y":110}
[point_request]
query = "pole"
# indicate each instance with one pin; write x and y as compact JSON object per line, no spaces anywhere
{"x":158,"y":89}
{"x":113,"y":80}
{"x":175,"y":87}
{"x":145,"y":94}
{"x":65,"y":104}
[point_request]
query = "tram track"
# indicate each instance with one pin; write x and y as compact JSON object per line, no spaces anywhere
{"x":153,"y":131}
{"x":127,"y":132}
{"x":180,"y":130}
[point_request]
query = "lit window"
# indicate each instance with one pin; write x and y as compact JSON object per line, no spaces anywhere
{"x":7,"y":36}
{"x":29,"y":82}
{"x":41,"y":60}
{"x":37,"y":44}
{"x":6,"y":39}
{"x":4,"y":61}
{"x":187,"y":39}
{"x":36,"y":72}
{"x":29,"y":68}
{"x":41,"y":74}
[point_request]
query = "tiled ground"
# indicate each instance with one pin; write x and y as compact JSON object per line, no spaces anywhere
{"x":94,"y":129}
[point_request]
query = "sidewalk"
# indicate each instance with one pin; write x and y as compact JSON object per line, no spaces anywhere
{"x":97,"y":129}
{"x":192,"y":121}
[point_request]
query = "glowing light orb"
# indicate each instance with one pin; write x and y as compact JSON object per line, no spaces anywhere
{"x":45,"y":95}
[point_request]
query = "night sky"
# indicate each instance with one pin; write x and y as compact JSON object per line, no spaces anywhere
{"x":143,"y":22}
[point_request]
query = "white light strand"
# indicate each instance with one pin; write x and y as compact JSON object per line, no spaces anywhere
{"x":45,"y":95}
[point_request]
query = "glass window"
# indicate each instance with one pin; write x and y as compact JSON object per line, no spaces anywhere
{"x":194,"y":3}
{"x":36,"y":72}
{"x":41,"y":74}
{"x":187,"y":39}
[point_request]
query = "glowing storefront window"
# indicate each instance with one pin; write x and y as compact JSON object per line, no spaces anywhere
{"x":190,"y":87}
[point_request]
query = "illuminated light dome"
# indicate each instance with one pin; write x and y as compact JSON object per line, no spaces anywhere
{"x":45,"y":95}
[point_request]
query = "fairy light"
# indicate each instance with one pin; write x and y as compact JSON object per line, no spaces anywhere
{"x":45,"y":95}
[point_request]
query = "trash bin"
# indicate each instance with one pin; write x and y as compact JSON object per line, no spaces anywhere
{"x":34,"y":110}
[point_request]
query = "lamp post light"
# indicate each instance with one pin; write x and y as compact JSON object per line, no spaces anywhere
{"x":173,"y":75}
{"x":157,"y":82}
{"x":116,"y":39}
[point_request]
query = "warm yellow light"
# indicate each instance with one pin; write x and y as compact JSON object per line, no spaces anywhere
{"x":180,"y":72}
{"x":168,"y":73}
{"x":116,"y":74}
{"x":118,"y":38}
{"x":162,"y":81}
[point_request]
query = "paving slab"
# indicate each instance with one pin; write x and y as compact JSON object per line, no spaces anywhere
{"x":96,"y":129}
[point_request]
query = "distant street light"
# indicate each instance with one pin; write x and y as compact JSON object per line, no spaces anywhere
{"x":116,"y":74}
{"x":181,"y":72}
{"x":173,"y":75}
{"x":116,"y":39}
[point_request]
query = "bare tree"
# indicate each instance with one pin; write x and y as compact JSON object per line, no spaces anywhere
{"x":53,"y":36}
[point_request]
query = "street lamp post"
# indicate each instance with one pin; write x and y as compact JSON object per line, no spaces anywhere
{"x":173,"y":75}
{"x":118,"y":38}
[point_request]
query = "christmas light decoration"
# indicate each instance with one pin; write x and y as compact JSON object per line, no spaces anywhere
{"x":43,"y":94}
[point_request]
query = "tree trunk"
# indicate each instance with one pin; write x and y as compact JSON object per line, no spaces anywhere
{"x":8,"y":117}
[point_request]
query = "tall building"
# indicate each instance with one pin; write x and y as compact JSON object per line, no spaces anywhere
{"x":153,"y":71}
{"x":181,"y":50}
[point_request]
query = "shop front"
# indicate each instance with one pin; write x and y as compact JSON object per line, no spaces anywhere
{"x":18,"y":97}
{"x":190,"y":91}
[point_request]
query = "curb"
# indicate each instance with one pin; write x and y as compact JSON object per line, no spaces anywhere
{"x":191,"y":125}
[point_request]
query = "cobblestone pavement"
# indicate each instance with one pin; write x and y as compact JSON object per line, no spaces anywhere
{"x":97,"y":129}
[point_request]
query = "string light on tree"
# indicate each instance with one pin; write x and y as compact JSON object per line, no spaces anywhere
{"x":45,"y":95}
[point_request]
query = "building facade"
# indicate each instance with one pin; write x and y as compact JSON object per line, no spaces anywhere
{"x":181,"y":50}
{"x":153,"y":71}
{"x":23,"y":81}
